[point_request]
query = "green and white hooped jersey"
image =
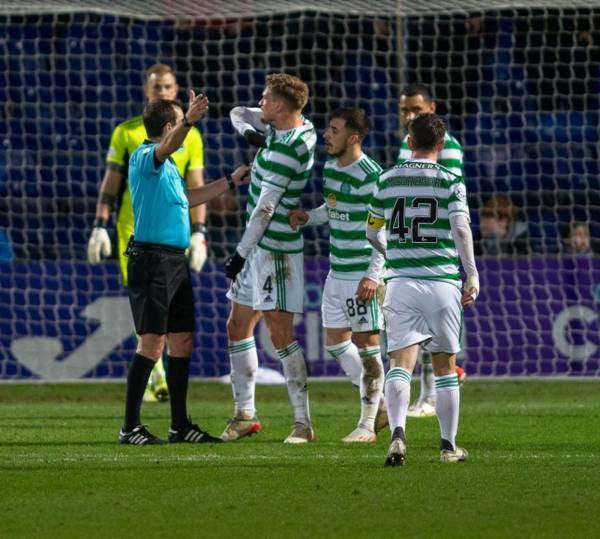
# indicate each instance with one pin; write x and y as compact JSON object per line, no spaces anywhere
{"x":416,"y":200}
{"x":348,"y":191}
{"x":284,"y":165}
{"x":451,"y":156}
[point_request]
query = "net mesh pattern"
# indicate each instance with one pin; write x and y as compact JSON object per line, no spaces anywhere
{"x":517,"y":83}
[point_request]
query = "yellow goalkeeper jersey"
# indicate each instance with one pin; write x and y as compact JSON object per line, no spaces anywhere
{"x":126,"y":137}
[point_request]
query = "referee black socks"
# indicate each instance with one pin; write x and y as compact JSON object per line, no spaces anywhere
{"x":178,"y":372}
{"x":137,"y":379}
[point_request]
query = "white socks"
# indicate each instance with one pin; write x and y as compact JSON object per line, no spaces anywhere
{"x":294,"y":370}
{"x":371,"y":385}
{"x":447,"y":406}
{"x":347,"y":355}
{"x":365,"y":369}
{"x":397,"y":396}
{"x":244,"y":364}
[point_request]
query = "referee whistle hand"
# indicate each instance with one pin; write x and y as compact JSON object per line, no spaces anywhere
{"x":254,"y":138}
{"x":233,"y":265}
{"x":197,"y":107}
{"x":98,"y":245}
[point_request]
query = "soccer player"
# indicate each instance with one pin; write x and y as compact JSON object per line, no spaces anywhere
{"x":160,"y":83}
{"x":160,"y":287}
{"x":267,"y":266}
{"x":350,"y":311}
{"x":416,"y":99}
{"x":423,"y":207}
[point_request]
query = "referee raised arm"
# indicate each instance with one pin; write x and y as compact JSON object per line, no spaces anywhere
{"x":160,"y":289}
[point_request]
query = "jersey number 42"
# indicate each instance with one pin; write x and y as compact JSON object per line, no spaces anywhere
{"x":398,"y":223}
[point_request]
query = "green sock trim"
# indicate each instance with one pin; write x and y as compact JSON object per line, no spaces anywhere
{"x":338,"y":351}
{"x":398,"y":373}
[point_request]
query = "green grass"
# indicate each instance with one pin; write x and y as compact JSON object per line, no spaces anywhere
{"x":534,"y":469}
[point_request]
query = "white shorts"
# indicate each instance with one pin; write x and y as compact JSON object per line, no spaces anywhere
{"x":341,"y":308}
{"x":422,"y":311}
{"x":270,"y":281}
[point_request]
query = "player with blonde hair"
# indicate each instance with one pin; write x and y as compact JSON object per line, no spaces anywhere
{"x":267,"y":267}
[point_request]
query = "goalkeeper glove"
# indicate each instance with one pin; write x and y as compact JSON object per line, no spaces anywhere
{"x":254,"y":138}
{"x":197,"y":253}
{"x":98,"y":245}
{"x":233,"y":265}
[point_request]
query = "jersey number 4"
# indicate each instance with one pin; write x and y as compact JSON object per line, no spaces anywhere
{"x":399,"y":227}
{"x":268,"y":286}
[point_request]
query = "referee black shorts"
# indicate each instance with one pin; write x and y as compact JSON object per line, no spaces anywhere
{"x":160,"y":289}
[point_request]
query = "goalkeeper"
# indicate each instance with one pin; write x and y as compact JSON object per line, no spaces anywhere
{"x":160,"y":83}
{"x":351,"y":313}
{"x":414,"y":100}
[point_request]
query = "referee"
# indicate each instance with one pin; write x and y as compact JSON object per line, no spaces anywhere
{"x":160,"y":289}
{"x":160,"y":82}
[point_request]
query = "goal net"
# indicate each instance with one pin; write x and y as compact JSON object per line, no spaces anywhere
{"x":517,"y":82}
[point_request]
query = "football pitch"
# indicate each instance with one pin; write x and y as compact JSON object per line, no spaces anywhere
{"x":534,"y":469}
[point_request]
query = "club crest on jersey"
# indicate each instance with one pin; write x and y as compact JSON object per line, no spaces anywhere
{"x":460,"y":192}
{"x":345,"y":188}
{"x":331,"y":200}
